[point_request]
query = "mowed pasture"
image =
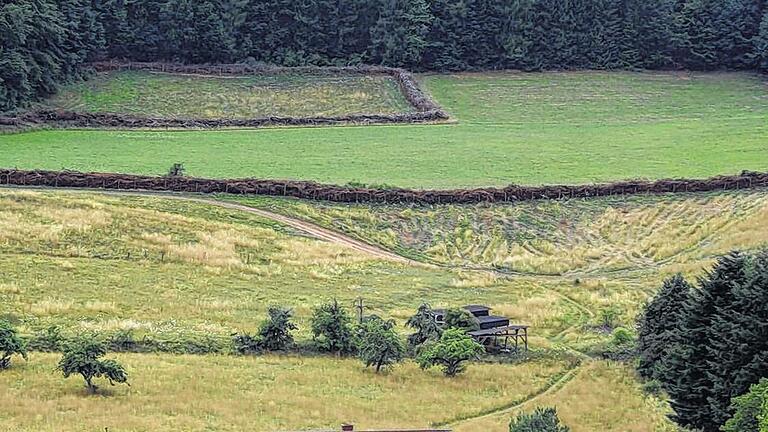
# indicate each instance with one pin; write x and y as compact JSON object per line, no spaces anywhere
{"x":507,"y":127}
{"x":165,"y":95}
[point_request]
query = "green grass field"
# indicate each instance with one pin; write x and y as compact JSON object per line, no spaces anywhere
{"x":509,"y":128}
{"x":190,"y":96}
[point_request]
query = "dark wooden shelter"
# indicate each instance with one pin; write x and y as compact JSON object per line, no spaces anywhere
{"x":492,"y":328}
{"x":518,"y":333}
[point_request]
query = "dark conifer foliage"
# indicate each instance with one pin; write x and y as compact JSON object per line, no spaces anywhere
{"x":719,"y":344}
{"x":46,"y":42}
{"x":657,"y":326}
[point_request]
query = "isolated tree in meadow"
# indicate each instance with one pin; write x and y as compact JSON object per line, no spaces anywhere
{"x":451,"y":352}
{"x":83,"y":357}
{"x":332,"y":329}
{"x":10,"y":344}
{"x":540,"y":420}
{"x":425,"y":325}
{"x":275,"y":331}
{"x":378,"y":344}
{"x":749,"y":409}
{"x":658,"y":324}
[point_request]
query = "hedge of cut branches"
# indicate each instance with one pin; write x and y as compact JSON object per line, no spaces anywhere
{"x":425,"y":109}
{"x":317,"y":191}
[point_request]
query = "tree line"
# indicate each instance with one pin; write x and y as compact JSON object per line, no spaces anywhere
{"x":706,"y":344}
{"x":45,"y":42}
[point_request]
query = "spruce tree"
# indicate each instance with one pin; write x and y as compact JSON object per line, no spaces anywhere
{"x":399,"y":36}
{"x":687,"y":380}
{"x":658,"y":325}
{"x":761,"y":44}
{"x":737,"y":354}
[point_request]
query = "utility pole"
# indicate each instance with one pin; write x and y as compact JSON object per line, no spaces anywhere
{"x":359,"y":306}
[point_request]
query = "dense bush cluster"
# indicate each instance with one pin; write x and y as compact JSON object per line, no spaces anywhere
{"x":44,"y":42}
{"x":707,"y":344}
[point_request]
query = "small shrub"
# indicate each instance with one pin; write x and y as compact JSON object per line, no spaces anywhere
{"x":540,"y":420}
{"x":82,"y":357}
{"x":332,"y":329}
{"x":609,"y":317}
{"x":379,"y":344}
{"x":245,"y":344}
{"x":48,"y":340}
{"x":275,"y":331}
{"x":451,"y":352}
{"x":176,"y":170}
{"x":10,"y":344}
{"x":622,"y":336}
{"x":123,"y":341}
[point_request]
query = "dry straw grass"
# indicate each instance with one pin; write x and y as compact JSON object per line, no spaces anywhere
{"x":603,"y":397}
{"x":197,"y":393}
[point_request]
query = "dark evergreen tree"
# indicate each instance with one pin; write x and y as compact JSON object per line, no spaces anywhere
{"x":687,"y":382}
{"x":737,"y":355}
{"x":761,"y":44}
{"x":658,"y":324}
{"x":399,"y":36}
{"x":694,"y":36}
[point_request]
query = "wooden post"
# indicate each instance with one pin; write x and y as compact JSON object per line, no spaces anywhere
{"x":359,"y":306}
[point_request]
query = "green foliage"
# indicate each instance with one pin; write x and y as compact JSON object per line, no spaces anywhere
{"x":10,"y":344}
{"x":450,"y":352}
{"x":425,"y":325}
{"x":761,"y":45}
{"x":245,"y":344}
{"x":748,"y":409}
{"x":622,"y":336}
{"x":176,"y":170}
{"x":540,"y":420}
{"x":701,"y":372}
{"x":378,"y":344}
{"x":399,"y":36}
{"x":42,"y":44}
{"x":658,"y":323}
{"x":48,"y":340}
{"x":83,"y":356}
{"x":275,"y":331}
{"x":609,"y":317}
{"x":764,"y":417}
{"x":332,"y":329}
{"x":460,"y":319}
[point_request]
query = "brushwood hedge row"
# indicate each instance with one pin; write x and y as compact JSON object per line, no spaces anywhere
{"x":349,"y":194}
{"x":424,"y":108}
